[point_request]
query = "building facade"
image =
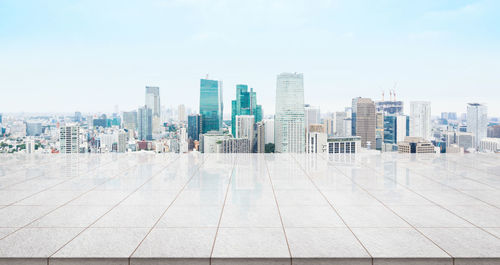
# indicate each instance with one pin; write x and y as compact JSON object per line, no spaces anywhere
{"x":211,"y":105}
{"x":477,"y":122}
{"x":289,"y":124}
{"x":366,"y":122}
{"x":420,"y":119}
{"x":194,"y":127}
{"x":145,"y":123}
{"x":245,"y":104}
{"x":344,"y":145}
{"x":69,"y":139}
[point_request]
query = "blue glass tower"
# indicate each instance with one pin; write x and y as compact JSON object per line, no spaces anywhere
{"x":211,"y":107}
{"x":244,"y":104}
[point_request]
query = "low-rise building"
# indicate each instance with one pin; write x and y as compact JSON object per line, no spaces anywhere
{"x":344,"y":145}
{"x":416,"y":145}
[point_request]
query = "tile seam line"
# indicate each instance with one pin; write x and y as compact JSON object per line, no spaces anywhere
{"x":95,"y":221}
{"x":58,"y":207}
{"x":334,"y":209}
{"x":222,"y":211}
{"x":16,"y":171}
{"x":439,"y":205}
{"x":390,"y":209}
{"x":443,"y":167}
{"x":279,"y":211}
{"x":168,"y":207}
{"x":55,"y":185}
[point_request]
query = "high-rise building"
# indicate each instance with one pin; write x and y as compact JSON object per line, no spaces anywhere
{"x":420,"y":119}
{"x":311,"y":115}
{"x":269,"y":128}
{"x":122,"y":142}
{"x":194,"y":127}
{"x":33,"y":128}
{"x":396,"y":128}
{"x":78,"y":116}
{"x":289,"y":132}
{"x":0,"y":118}
{"x":244,"y":104}
{"x":379,"y":130}
{"x":245,"y":127}
{"x":211,"y":105}
{"x":236,"y":145}
{"x":130,"y":120}
{"x":365,"y":121}
{"x":181,"y":113}
{"x":69,"y":139}
{"x":153,"y":103}
{"x":330,"y":125}
{"x":494,"y":131}
{"x":145,"y":123}
{"x":477,"y":122}
{"x":390,"y":107}
{"x":30,"y":146}
{"x":340,"y":117}
{"x":261,"y":137}
{"x":354,"y":111}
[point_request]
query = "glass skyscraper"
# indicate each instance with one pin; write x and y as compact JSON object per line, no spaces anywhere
{"x":211,"y":106}
{"x":477,"y":121}
{"x":145,"y":123}
{"x":289,"y":125}
{"x":244,"y":104}
{"x":194,"y":126}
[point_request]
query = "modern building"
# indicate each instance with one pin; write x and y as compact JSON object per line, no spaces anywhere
{"x":261,"y":137}
{"x":211,"y":142}
{"x":245,"y":127}
{"x":420,"y":119}
{"x":490,"y":145}
{"x":416,"y":145}
{"x":145,"y":123}
{"x":194,"y":127}
{"x":316,"y":139}
{"x":181,"y":113}
{"x":245,"y":104}
{"x":289,"y":124}
{"x":344,"y":145}
{"x":153,"y":103}
{"x":122,"y":142}
{"x":129,"y":120}
{"x":494,"y":131}
{"x":30,"y":146}
{"x":366,"y":120}
{"x":477,"y":122}
{"x":236,"y":145}
{"x":390,"y":107}
{"x":311,"y":115}
{"x":379,"y":130}
{"x":211,"y":105}
{"x":396,"y":128}
{"x":69,"y":139}
{"x":33,"y":129}
{"x":330,"y":125}
{"x":269,"y":128}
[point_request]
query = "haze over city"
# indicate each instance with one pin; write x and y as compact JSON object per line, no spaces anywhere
{"x":66,"y":56}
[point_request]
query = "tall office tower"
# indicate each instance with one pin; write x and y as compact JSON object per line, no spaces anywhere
{"x":348,"y":127}
{"x":494,"y":131}
{"x":244,"y":104}
{"x":153,"y":103}
{"x":78,"y":116}
{"x":261,"y":137}
{"x":183,"y":140}
{"x":354,"y":110}
{"x":269,"y":128}
{"x":390,"y":107}
{"x":340,"y":116}
{"x":30,"y":146}
{"x":194,"y":127}
{"x":244,"y":126}
{"x":122,"y":142}
{"x":69,"y":139}
{"x":366,"y":122}
{"x":211,"y":105}
{"x":311,"y":115}
{"x":396,"y":128}
{"x":130,"y":120}
{"x":33,"y":128}
{"x":145,"y":123}
{"x":289,"y":124}
{"x":181,"y":112}
{"x":420,"y":119}
{"x":477,"y":122}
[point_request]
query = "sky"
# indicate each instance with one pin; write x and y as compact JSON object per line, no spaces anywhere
{"x":89,"y":56}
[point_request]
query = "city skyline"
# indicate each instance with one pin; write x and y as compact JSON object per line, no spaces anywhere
{"x":103,"y":54}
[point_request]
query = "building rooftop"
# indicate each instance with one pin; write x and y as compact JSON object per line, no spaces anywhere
{"x":250,"y":209}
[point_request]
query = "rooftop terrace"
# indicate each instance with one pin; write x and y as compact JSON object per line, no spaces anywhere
{"x":250,"y":209}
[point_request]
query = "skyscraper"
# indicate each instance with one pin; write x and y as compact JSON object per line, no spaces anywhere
{"x":153,"y":103}
{"x":130,"y":120}
{"x":181,"y":113}
{"x":211,"y":105}
{"x":145,"y":123}
{"x":353,"y":115}
{"x":289,"y":122}
{"x":69,"y":139}
{"x":245,"y":127}
{"x":365,"y":121}
{"x":477,"y":122}
{"x":420,"y":119}
{"x":194,"y":127}
{"x":244,"y":104}
{"x":311,"y":115}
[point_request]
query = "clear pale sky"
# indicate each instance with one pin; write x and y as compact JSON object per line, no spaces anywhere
{"x":67,"y":55}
